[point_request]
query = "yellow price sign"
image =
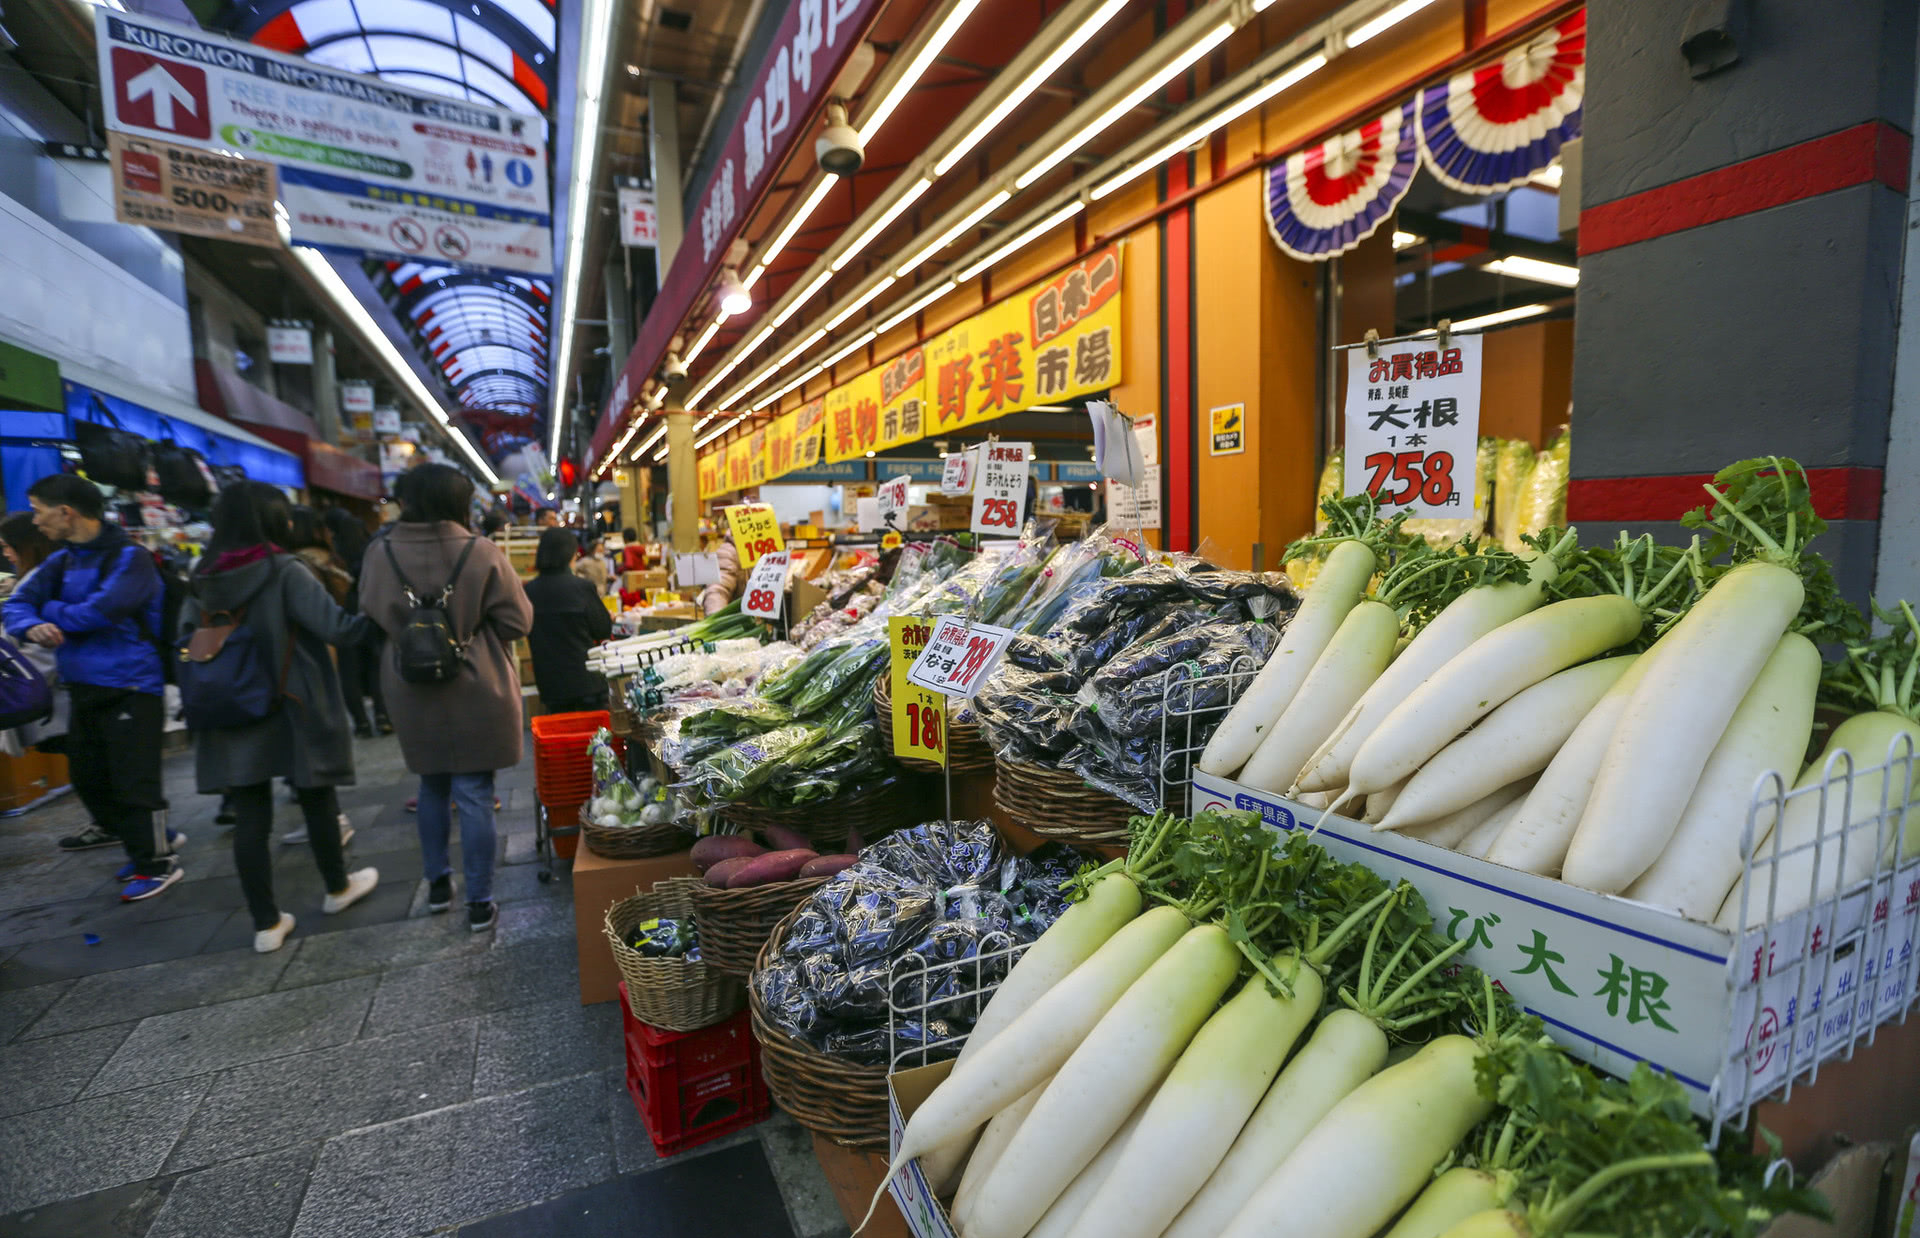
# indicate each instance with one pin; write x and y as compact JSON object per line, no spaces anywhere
{"x":919,"y":716}
{"x":756,"y":531}
{"x":890,"y":540}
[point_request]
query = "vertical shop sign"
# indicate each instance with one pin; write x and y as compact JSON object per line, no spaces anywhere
{"x":639,"y":222}
{"x":902,"y":399}
{"x":853,"y":417}
{"x":1229,"y":427}
{"x":1000,"y":492}
{"x":1413,"y":425}
{"x":919,"y":715}
{"x":807,"y":421}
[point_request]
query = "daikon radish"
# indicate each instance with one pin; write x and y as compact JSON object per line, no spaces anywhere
{"x":1450,"y":830}
{"x":1352,"y":660}
{"x":1476,"y":843}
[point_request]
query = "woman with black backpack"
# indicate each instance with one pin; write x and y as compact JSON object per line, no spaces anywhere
{"x":450,"y":604}
{"x":262,"y":698}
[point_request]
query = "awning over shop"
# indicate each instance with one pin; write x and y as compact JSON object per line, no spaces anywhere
{"x":327,"y":467}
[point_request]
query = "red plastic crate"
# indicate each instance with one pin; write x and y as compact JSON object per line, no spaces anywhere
{"x":562,"y":771}
{"x":693,"y":1087}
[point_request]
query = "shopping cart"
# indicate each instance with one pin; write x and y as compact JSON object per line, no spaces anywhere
{"x":563,"y":780}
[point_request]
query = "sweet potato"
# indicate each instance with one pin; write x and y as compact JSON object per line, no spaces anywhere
{"x":723,"y":870}
{"x":780,"y":838}
{"x":828,"y":865}
{"x":773,"y":866}
{"x":717,"y":847}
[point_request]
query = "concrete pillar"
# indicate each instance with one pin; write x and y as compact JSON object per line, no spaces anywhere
{"x":1741,"y":239}
{"x":619,"y":303}
{"x":633,"y":511}
{"x":663,"y":152}
{"x":683,"y":478}
{"x":326,"y":387}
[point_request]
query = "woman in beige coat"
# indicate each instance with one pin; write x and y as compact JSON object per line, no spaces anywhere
{"x":457,"y":733}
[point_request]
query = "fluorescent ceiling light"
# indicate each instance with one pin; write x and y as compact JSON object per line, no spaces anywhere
{"x":660,"y":455}
{"x":772,"y":249}
{"x":935,"y":44}
{"x":1506,"y":315}
{"x":1050,"y":408}
{"x":801,"y":347}
{"x":899,"y":316}
{"x":793,"y":307}
{"x":1405,"y":240}
{"x":701,"y":341}
{"x":713,"y":380}
{"x":596,"y":23}
{"x":722,"y":430}
{"x":1392,"y":17}
{"x":376,"y":342}
{"x":848,"y":311}
{"x":879,"y":225}
{"x":653,"y":438}
{"x":858,"y":341}
{"x":940,"y":242}
{"x":1167,"y":72}
{"x":1534,"y":269}
{"x":1292,"y":76}
{"x":1023,"y":240}
{"x":797,"y":381}
{"x":1040,"y":73}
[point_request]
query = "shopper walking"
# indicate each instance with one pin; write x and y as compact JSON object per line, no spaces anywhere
{"x":26,"y":548}
{"x":247,"y":577}
{"x":359,"y":664}
{"x":98,"y":602}
{"x":457,"y":732}
{"x":568,"y":619}
{"x":730,"y":583}
{"x":591,"y":566}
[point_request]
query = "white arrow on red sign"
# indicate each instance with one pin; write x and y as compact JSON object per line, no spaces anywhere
{"x":166,"y":91}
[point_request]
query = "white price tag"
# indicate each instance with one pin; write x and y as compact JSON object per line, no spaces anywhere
{"x":1000,"y":491}
{"x":1413,"y":426}
{"x":959,"y":656}
{"x":767,"y":585}
{"x":893,"y":502}
{"x":956,"y":472}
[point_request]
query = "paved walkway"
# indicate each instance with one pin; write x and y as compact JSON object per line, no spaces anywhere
{"x":384,"y":1074}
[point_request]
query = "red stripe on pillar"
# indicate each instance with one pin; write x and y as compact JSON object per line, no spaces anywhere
{"x":1872,"y":152}
{"x":1838,"y":494}
{"x":1179,"y":362}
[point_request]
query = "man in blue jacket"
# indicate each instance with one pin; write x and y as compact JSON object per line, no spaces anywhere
{"x":98,"y":601}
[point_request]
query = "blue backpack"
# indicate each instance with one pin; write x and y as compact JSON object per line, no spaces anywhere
{"x":222,"y":672}
{"x":25,"y":694}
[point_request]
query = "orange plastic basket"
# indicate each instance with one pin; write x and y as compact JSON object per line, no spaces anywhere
{"x":562,"y":771}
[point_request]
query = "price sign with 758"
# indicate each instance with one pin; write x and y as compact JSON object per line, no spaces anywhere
{"x":959,"y":656}
{"x":1413,"y":422}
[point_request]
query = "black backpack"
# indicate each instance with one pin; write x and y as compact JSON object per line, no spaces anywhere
{"x":426,"y":649}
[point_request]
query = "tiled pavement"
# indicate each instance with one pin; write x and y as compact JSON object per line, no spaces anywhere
{"x":385,"y":1074}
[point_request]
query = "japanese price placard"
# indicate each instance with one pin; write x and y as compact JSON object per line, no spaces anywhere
{"x":1000,"y":490}
{"x":919,"y":715}
{"x":959,"y":656}
{"x":893,"y":501}
{"x":756,"y":531}
{"x":957,"y":470}
{"x":766,"y":586}
{"x":1413,"y":422}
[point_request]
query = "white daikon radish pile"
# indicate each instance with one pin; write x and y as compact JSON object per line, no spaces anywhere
{"x":1682,"y":705}
{"x":1504,"y":587}
{"x":1824,"y":848}
{"x":1456,"y":827}
{"x":1421,"y":583}
{"x":1604,"y":605}
{"x":1356,"y":547}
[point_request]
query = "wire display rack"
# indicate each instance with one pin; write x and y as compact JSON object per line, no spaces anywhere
{"x":919,"y":992}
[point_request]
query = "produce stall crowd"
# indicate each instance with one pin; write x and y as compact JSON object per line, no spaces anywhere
{"x":1145,"y":1022}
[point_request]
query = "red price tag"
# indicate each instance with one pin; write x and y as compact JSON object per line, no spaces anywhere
{"x":959,"y":657}
{"x":923,"y":722}
{"x":1401,"y":477}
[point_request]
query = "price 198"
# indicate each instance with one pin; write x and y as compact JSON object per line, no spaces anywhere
{"x":762,"y":546}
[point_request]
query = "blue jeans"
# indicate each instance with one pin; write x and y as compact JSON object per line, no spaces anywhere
{"x":474,"y":794}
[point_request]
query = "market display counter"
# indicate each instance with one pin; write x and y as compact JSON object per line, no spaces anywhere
{"x":598,"y":883}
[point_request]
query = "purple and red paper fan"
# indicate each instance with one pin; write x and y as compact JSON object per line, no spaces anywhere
{"x":1326,"y":199}
{"x":1502,"y":124}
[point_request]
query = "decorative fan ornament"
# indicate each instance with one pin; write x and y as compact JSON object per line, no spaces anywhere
{"x":1500,"y":125}
{"x":1328,"y":198}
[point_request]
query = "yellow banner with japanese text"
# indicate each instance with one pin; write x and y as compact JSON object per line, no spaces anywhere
{"x":903,"y":399}
{"x":757,"y":457}
{"x":853,"y":418}
{"x":737,"y":467}
{"x":1050,"y":342}
{"x":807,"y":420}
{"x":710,"y":469}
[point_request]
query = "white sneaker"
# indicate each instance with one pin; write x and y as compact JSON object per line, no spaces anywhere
{"x":297,"y":836}
{"x":359,"y":885}
{"x":266,"y":941}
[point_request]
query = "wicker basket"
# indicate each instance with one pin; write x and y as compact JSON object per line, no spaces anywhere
{"x":632,"y":842}
{"x":967,"y":748}
{"x":829,"y":1096}
{"x":671,"y":993}
{"x":1056,"y":804}
{"x":872,"y":811}
{"x":734,"y":924}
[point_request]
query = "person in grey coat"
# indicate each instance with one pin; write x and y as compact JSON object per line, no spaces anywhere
{"x":454,"y":734}
{"x":246,"y":574}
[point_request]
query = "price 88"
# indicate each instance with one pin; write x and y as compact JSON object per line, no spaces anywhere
{"x":761,"y":601}
{"x":1409,"y":476}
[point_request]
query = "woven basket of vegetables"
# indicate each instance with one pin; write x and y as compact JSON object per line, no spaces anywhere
{"x":830,"y":1096}
{"x":967,"y":749}
{"x":871,"y":810}
{"x":1056,"y":804}
{"x":746,"y":889}
{"x":673,"y":992}
{"x":637,"y":841}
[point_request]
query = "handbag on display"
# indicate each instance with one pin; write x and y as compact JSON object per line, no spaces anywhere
{"x":184,"y":480}
{"x":110,"y":454}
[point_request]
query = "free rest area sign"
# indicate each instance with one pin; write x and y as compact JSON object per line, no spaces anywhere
{"x":363,"y":165}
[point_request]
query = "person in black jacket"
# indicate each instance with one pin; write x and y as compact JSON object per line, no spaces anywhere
{"x":568,"y":619}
